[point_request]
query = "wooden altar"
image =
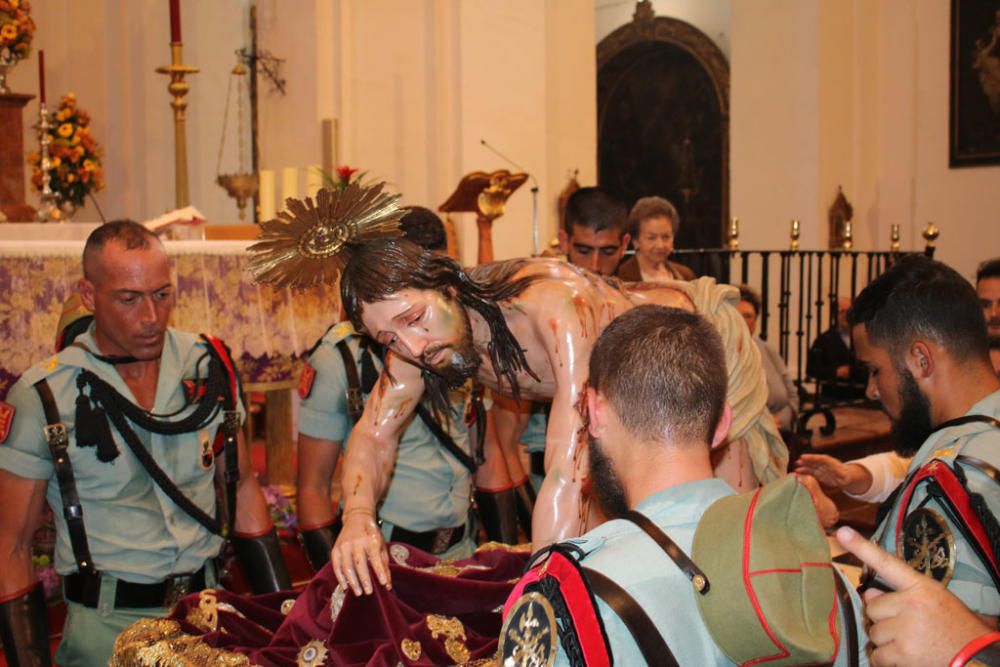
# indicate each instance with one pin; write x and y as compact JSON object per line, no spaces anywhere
{"x":12,"y":204}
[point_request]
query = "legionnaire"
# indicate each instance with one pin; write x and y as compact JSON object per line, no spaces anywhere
{"x":919,"y":330}
{"x":656,"y":404}
{"x":125,"y":433}
{"x":427,"y":501}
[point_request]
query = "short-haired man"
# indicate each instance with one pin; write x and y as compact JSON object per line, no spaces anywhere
{"x":427,"y":502}
{"x":656,"y":403}
{"x":121,"y":433}
{"x":918,"y":329}
{"x":594,"y":234}
{"x":988,"y":289}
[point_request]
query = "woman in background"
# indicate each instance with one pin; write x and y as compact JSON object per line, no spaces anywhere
{"x":653,"y":224}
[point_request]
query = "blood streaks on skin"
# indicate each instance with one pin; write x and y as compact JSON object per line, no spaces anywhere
{"x":585,"y":314}
{"x":554,"y":326}
{"x":580,"y":437}
{"x":357,"y":485}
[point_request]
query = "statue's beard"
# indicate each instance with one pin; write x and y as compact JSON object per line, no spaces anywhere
{"x":460,"y":360}
{"x":604,"y":481}
{"x":913,"y":426}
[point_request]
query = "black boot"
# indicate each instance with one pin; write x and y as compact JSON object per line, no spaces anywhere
{"x":498,"y":512}
{"x":524,"y":494}
{"x":262,"y":562}
{"x":24,"y":630}
{"x":317,"y":543}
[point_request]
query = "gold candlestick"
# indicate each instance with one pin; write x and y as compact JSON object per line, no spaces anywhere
{"x":894,"y":238}
{"x":48,"y":207}
{"x":848,"y":242}
{"x":178,"y":88}
{"x":733,"y":234}
{"x":795,"y":235}
{"x":930,"y":234}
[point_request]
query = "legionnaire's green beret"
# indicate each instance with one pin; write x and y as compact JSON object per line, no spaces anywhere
{"x":773,"y":597}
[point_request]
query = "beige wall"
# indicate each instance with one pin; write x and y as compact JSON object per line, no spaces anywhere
{"x":106,"y":52}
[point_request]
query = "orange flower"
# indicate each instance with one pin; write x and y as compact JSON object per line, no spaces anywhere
{"x":8,"y":31}
{"x":65,"y":130}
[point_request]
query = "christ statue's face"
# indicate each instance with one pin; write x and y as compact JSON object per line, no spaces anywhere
{"x":426,"y":328}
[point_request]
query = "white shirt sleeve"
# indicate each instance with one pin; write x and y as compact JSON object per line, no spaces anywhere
{"x":887,"y":470}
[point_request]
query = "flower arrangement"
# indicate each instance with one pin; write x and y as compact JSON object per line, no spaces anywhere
{"x":16,"y":29}
{"x":282,"y":509}
{"x":342,"y":177}
{"x":74,"y":155}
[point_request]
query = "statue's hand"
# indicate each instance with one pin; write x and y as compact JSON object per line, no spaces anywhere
{"x":359,"y":544}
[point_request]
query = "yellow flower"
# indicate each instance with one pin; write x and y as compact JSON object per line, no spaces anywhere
{"x":65,"y":130}
{"x":88,"y":165}
{"x":62,"y":115}
{"x":8,"y":31}
{"x":56,"y":162}
{"x":70,"y":178}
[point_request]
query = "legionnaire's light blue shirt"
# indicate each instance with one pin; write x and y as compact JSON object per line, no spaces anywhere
{"x":621,"y":551}
{"x":534,"y":433}
{"x":430,"y":488}
{"x":971,"y":580}
{"x":134,"y":531}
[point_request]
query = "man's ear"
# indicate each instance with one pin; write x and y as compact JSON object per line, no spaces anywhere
{"x":722,"y":428}
{"x":596,"y":405}
{"x":626,"y":239}
{"x":920,"y":359}
{"x":564,"y":241}
{"x":86,"y":289}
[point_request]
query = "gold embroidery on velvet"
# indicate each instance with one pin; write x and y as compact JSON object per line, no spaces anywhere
{"x":512,"y":548}
{"x":312,"y":654}
{"x":336,"y":602}
{"x":287,"y":605}
{"x":411,"y":648}
{"x":205,"y":616}
{"x":400,"y":554}
{"x":158,"y":642}
{"x":454,"y":633}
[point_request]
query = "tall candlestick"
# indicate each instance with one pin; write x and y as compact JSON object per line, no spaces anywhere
{"x":41,"y":76}
{"x":289,"y":184}
{"x":178,"y":89}
{"x":175,"y":20}
{"x":266,"y":195}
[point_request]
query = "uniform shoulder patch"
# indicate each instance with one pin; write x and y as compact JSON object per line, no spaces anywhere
{"x":6,"y":419}
{"x":306,"y":380}
{"x":529,"y":636}
{"x":927,"y":544}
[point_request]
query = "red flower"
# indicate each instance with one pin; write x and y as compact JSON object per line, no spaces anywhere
{"x":344,"y":173}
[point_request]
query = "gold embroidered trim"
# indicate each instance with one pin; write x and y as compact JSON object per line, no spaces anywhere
{"x":454,"y":633}
{"x":411,"y":648}
{"x":312,"y":654}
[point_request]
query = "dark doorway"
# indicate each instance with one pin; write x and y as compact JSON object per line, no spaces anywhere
{"x":663,"y":123}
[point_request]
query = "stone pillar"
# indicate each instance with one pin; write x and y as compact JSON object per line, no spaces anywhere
{"x":12,"y":158}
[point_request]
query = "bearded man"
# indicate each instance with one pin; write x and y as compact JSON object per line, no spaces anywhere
{"x":919,"y":330}
{"x":524,"y":328}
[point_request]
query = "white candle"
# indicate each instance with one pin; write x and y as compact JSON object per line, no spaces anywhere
{"x":314,"y":179}
{"x":266,"y":193}
{"x":289,"y":184}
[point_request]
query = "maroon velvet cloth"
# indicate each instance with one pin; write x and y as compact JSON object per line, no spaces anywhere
{"x":370,"y":630}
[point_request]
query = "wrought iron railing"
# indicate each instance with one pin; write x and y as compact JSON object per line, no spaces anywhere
{"x":809,"y":285}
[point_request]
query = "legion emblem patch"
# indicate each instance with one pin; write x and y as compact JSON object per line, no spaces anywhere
{"x":529,"y":636}
{"x":927,"y":545}
{"x":306,"y":381}
{"x":6,"y":419}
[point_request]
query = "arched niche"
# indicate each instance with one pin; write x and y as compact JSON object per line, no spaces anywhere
{"x":663,"y":121}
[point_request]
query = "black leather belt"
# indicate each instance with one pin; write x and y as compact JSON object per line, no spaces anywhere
{"x":433,"y":541}
{"x":85,"y":589}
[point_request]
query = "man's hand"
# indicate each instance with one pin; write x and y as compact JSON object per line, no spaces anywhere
{"x":826,"y":509}
{"x":921,"y":622}
{"x":360,"y":543}
{"x":850,"y":477}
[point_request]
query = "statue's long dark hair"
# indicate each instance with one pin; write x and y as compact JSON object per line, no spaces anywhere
{"x":379,"y":269}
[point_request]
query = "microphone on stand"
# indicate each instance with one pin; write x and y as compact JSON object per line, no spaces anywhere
{"x":534,"y":192}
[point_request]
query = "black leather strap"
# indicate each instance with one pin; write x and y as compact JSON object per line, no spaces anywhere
{"x":355,"y":399}
{"x":651,"y":643}
{"x":85,"y":589}
{"x":687,"y":566}
{"x":850,"y":629}
{"x":230,"y":428}
{"x":58,"y":441}
{"x":432,"y":541}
